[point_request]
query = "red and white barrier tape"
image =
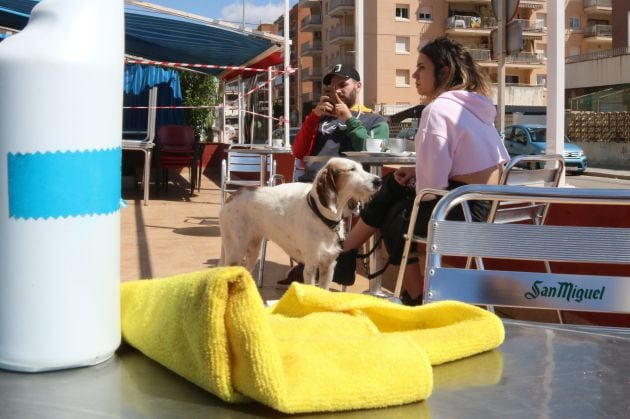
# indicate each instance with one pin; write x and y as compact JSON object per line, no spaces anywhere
{"x":188,"y":65}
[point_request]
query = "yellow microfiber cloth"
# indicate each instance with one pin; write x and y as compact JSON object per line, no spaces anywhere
{"x":313,"y":351}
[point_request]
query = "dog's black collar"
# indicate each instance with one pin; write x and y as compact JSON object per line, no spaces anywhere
{"x":332,"y":224}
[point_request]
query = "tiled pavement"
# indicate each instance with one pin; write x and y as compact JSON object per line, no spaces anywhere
{"x":177,"y":233}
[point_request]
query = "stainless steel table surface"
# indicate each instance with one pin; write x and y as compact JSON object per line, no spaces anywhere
{"x":375,"y":163}
{"x":544,"y":371}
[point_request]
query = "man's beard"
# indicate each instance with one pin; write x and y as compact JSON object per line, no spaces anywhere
{"x":351,"y":99}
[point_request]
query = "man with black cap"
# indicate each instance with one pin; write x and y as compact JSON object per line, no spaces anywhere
{"x":338,"y":123}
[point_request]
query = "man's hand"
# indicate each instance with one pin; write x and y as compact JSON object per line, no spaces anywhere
{"x":341,"y":109}
{"x":324,"y":107}
{"x":338,"y":109}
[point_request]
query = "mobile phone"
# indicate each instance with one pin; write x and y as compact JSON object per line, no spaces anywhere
{"x":330,"y":92}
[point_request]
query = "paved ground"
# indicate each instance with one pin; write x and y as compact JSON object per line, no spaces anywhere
{"x":177,"y":233}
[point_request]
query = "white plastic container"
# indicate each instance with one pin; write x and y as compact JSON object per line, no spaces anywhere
{"x":61,"y":93}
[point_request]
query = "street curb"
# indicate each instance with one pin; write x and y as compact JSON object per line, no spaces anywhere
{"x":608,"y":173}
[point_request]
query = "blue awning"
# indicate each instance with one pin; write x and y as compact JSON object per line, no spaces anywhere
{"x":158,"y":36}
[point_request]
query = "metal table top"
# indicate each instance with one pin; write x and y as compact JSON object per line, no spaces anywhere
{"x":370,"y":158}
{"x":263,"y":150}
{"x":540,"y":371}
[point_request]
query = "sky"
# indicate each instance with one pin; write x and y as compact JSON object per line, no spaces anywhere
{"x":256,"y":11}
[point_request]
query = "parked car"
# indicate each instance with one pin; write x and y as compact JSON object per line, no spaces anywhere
{"x":532,"y":139}
{"x":408,"y":133}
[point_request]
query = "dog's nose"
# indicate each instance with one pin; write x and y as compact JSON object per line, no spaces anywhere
{"x":377,"y":182}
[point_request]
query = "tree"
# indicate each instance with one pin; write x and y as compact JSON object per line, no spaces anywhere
{"x":200,"y":90}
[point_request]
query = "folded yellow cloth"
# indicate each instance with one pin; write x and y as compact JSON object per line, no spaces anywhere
{"x":313,"y":351}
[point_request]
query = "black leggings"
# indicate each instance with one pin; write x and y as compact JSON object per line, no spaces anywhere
{"x":376,"y":209}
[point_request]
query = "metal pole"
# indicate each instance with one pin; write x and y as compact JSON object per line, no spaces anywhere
{"x":555,"y":79}
{"x":287,"y":63}
{"x":244,"y":2}
{"x":500,"y":119}
{"x":359,"y":40}
{"x":241,"y":109}
{"x":223,"y":139}
{"x":269,"y":105}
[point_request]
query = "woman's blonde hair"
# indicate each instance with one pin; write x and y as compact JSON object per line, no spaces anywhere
{"x":455,"y":69}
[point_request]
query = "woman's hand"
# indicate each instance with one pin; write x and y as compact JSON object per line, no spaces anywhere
{"x":404,"y":175}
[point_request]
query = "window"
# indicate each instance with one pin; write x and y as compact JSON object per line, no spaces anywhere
{"x":402,"y":45}
{"x":425,"y":13}
{"x":541,"y":80}
{"x":574,"y":23}
{"x":402,"y":12}
{"x":520,"y":136}
{"x":402,"y":78}
{"x":511,"y":79}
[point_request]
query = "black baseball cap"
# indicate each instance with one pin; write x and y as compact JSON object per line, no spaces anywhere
{"x":341,"y":70}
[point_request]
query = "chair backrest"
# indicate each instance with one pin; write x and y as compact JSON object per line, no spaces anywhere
{"x":527,"y":170}
{"x":244,"y":164}
{"x":179,"y":137}
{"x":574,"y":244}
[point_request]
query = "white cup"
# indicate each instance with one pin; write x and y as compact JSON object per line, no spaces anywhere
{"x":374,"y":144}
{"x":397,"y":145}
{"x":277,"y":143}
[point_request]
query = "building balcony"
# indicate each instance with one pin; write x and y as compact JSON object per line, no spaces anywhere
{"x":310,"y":49}
{"x":521,"y":94}
{"x":341,"y":35}
{"x":311,"y":74}
{"x":481,"y":54}
{"x":470,"y":25}
{"x":526,"y":58}
{"x":312,"y":23}
{"x":594,"y":8}
{"x":532,"y":28}
{"x":597,"y":34}
{"x":532,"y":4}
{"x":310,"y":3}
{"x":341,"y":7}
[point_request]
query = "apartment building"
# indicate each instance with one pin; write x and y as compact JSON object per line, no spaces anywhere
{"x":394,"y":29}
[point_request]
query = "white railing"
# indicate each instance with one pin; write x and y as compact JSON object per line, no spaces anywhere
{"x":598,"y":30}
{"x":526,"y":58}
{"x":598,"y":55}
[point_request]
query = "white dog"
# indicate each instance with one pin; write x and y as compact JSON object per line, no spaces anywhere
{"x":304,"y":219}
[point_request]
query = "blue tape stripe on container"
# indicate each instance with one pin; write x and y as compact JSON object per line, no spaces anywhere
{"x":43,"y":185}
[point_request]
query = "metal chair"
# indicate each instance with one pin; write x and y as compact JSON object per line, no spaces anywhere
{"x":145,"y":145}
{"x":240,"y":169}
{"x":525,"y":170}
{"x":578,"y":289}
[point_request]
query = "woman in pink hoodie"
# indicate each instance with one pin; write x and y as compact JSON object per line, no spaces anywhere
{"x":456,"y":144}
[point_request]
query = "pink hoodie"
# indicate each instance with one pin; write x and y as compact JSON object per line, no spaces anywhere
{"x":456,"y":136}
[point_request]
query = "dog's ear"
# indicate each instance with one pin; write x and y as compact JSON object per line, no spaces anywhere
{"x":326,"y":187}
